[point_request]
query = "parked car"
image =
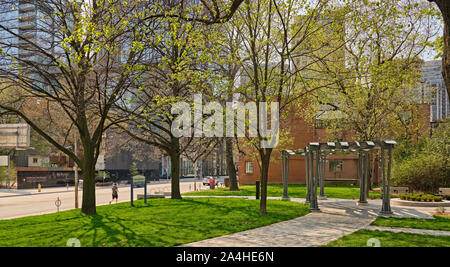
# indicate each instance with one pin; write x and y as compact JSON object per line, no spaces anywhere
{"x":207,"y":178}
{"x":206,"y":181}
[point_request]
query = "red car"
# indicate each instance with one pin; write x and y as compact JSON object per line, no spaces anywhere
{"x":207,"y":181}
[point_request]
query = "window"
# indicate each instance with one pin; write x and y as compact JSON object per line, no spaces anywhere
{"x":336,"y":165}
{"x":35,"y":160}
{"x":249,"y":167}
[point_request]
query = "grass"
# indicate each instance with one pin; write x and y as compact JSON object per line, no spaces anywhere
{"x":296,"y":191}
{"x":439,"y":223}
{"x":161,"y":223}
{"x":389,"y":239}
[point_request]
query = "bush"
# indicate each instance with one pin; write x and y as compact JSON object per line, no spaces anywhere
{"x":421,"y":197}
{"x":424,"y":173}
{"x":424,"y":166}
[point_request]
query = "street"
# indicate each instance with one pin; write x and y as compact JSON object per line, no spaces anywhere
{"x":29,"y":202}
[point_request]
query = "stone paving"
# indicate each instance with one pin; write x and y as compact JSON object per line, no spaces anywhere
{"x":408,"y":230}
{"x":337,"y":218}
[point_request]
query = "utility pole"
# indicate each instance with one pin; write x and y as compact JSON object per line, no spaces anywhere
{"x":75,"y":168}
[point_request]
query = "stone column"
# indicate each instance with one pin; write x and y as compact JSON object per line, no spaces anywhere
{"x":285,"y":169}
{"x":386,"y":206}
{"x":363,"y":179}
{"x":323,"y":162}
{"x":314,"y":206}
{"x":308,"y":174}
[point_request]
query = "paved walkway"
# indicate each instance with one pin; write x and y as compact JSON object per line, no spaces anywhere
{"x":408,"y":230}
{"x":338,"y":218}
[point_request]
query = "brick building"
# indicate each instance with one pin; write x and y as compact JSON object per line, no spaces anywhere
{"x":339,"y":169}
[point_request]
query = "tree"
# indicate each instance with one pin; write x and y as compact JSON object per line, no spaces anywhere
{"x":176,"y":69}
{"x":134,"y":169}
{"x":276,"y":42}
{"x":79,"y":65}
{"x":228,"y":66}
{"x":83,"y":58}
{"x":198,"y":150}
{"x":424,"y":166}
{"x":444,"y":6}
{"x":375,"y":94}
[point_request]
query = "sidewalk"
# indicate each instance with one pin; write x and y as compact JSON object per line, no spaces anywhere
{"x":57,"y":190}
{"x":21,"y":204}
{"x":408,"y":230}
{"x":28,"y":192}
{"x":337,"y":219}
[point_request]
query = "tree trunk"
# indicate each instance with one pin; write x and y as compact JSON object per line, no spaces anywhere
{"x":444,"y":6}
{"x":195,"y":175}
{"x":265,"y":160}
{"x":230,"y":165}
{"x":175,"y":169}
{"x":89,"y":201}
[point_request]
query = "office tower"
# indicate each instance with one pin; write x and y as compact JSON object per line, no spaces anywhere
{"x":436,"y":90}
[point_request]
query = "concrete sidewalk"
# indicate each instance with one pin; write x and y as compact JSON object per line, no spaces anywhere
{"x":337,"y":219}
{"x":408,"y":230}
{"x":58,"y":190}
{"x":22,"y":205}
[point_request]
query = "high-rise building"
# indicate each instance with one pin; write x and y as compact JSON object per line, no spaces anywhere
{"x":20,"y":17}
{"x":436,"y":90}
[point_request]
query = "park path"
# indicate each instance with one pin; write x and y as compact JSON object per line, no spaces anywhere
{"x":336,"y":219}
{"x":409,"y":230}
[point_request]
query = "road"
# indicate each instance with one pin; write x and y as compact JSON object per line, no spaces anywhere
{"x":26,"y":204}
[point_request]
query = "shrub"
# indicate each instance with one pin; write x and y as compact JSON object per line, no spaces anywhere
{"x":425,"y":173}
{"x":424,"y":166}
{"x":421,"y":197}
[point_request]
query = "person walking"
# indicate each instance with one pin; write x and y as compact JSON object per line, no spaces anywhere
{"x":115,"y":194}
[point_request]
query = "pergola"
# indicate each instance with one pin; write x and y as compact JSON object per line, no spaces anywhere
{"x":315,"y":161}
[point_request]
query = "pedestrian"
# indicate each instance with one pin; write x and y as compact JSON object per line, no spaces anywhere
{"x":115,"y":194}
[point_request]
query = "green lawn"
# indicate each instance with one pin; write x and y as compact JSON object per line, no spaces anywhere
{"x":389,"y":239}
{"x":297,"y":191}
{"x":161,"y":223}
{"x":439,"y":223}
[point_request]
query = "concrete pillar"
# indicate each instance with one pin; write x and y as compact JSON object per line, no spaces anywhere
{"x":308,"y":173}
{"x":285,"y":169}
{"x":386,"y":206}
{"x":363,"y":179}
{"x":314,"y":205}
{"x":323,"y":161}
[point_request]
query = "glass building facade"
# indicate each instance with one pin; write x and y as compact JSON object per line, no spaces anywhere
{"x":20,"y":17}
{"x":436,"y":90}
